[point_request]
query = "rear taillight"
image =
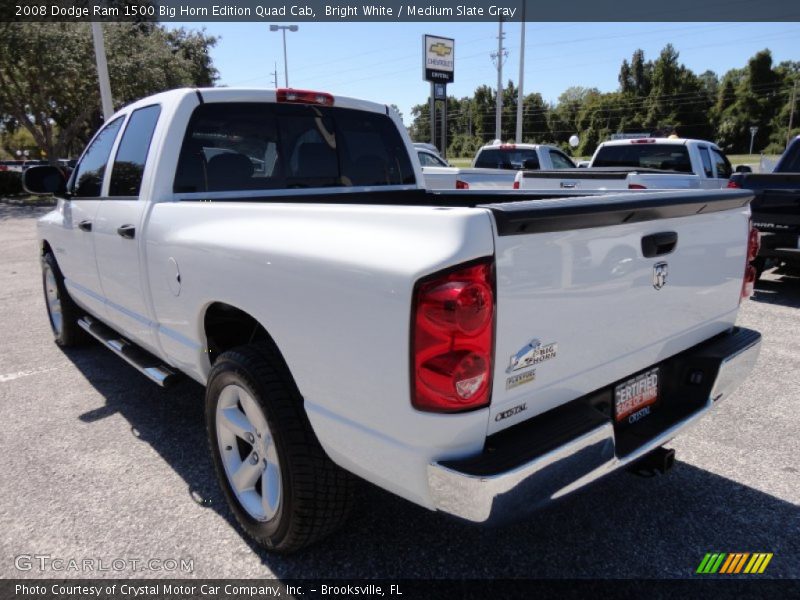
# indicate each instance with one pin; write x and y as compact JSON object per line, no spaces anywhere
{"x":733,"y":185}
{"x":461,"y":185}
{"x":516,"y":185}
{"x":643,"y":141}
{"x":750,"y":273}
{"x":291,"y":96}
{"x":636,"y":186}
{"x":452,"y":339}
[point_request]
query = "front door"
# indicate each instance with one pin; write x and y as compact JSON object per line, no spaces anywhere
{"x":76,"y":258}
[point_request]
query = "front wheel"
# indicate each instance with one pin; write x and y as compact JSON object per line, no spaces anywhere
{"x":282,"y":488}
{"x":62,"y":312}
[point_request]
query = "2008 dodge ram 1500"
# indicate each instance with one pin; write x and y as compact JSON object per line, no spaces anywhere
{"x":476,"y":353}
{"x":640,"y":164}
{"x":776,"y":208}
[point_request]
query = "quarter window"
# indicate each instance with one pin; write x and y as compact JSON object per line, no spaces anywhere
{"x":87,"y":181}
{"x":126,"y":174}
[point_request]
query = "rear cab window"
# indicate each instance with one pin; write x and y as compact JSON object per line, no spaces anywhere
{"x":267,"y":146}
{"x":507,"y":158}
{"x":668,"y":157}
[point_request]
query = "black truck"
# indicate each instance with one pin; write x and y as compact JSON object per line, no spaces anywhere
{"x":776,"y":208}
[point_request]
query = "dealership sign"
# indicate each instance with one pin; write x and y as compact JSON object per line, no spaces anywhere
{"x":438,"y":59}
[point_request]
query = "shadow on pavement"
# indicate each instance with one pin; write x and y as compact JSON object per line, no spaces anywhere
{"x":623,"y":526}
{"x":782,"y":286}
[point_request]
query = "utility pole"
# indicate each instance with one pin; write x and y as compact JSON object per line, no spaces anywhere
{"x":791,"y":112}
{"x":275,"y":76}
{"x":520,"y":93}
{"x":753,"y":132}
{"x":102,"y":70}
{"x":500,"y":57}
{"x":283,"y":29}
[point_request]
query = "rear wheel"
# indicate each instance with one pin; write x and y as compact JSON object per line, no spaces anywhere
{"x":282,"y":488}
{"x":62,"y":312}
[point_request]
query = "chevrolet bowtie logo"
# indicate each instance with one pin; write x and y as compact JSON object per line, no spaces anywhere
{"x":441,"y":49}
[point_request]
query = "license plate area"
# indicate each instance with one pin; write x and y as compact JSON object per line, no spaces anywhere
{"x":635,"y":398}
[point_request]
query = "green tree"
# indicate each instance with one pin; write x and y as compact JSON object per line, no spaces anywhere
{"x":48,"y":80}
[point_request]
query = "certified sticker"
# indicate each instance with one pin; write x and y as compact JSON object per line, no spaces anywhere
{"x":520,"y":379}
{"x":531,"y":354}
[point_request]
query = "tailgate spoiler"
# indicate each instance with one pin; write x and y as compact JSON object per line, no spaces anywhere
{"x":596,"y":173}
{"x":563,"y":214}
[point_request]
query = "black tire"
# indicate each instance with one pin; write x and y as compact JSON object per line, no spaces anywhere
{"x":67,"y":332}
{"x":759,"y":264}
{"x":316,"y":494}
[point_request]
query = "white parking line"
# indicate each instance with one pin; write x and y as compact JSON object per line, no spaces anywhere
{"x":18,"y":374}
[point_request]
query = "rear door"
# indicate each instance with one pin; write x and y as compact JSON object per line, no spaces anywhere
{"x":580,"y":305}
{"x":119,"y":224}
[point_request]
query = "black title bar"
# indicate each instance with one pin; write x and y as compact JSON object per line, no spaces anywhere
{"x":451,"y":11}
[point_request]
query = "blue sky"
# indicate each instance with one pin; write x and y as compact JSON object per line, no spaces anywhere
{"x":382,"y":61}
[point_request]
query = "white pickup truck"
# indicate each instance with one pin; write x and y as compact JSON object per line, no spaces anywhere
{"x":477,"y":353}
{"x":494,"y":167}
{"x":639,"y":164}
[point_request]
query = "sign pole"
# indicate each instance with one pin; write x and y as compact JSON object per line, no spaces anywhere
{"x":432,"y":119}
{"x":438,"y":63}
{"x":102,"y":71}
{"x":444,"y":123}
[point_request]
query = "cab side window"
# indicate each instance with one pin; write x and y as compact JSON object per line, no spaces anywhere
{"x":724,"y":169}
{"x":87,"y":181}
{"x":560,"y":161}
{"x":128,"y":169}
{"x":706,"y":162}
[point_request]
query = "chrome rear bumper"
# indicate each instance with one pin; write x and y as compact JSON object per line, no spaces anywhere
{"x":469,"y":489}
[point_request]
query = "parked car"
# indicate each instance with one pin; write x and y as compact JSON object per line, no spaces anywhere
{"x":477,"y":353}
{"x":641,"y":163}
{"x":776,"y":208}
{"x":495,"y":166}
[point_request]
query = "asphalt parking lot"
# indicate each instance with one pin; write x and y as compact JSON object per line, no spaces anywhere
{"x":98,"y":462}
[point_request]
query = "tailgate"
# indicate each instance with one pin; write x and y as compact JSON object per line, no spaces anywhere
{"x":575,"y":179}
{"x":580,"y":306}
{"x":777,"y":209}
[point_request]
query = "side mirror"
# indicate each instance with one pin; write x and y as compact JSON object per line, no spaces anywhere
{"x":744,"y":169}
{"x":530,"y":164}
{"x":44,"y":180}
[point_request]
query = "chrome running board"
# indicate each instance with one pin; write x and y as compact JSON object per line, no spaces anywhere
{"x":135,"y":356}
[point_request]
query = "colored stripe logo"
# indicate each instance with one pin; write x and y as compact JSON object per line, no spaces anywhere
{"x":734,"y":563}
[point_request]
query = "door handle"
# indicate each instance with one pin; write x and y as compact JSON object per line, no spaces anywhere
{"x":569,"y":185}
{"x":658,"y":244}
{"x":85,"y":225}
{"x":127,"y":231}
